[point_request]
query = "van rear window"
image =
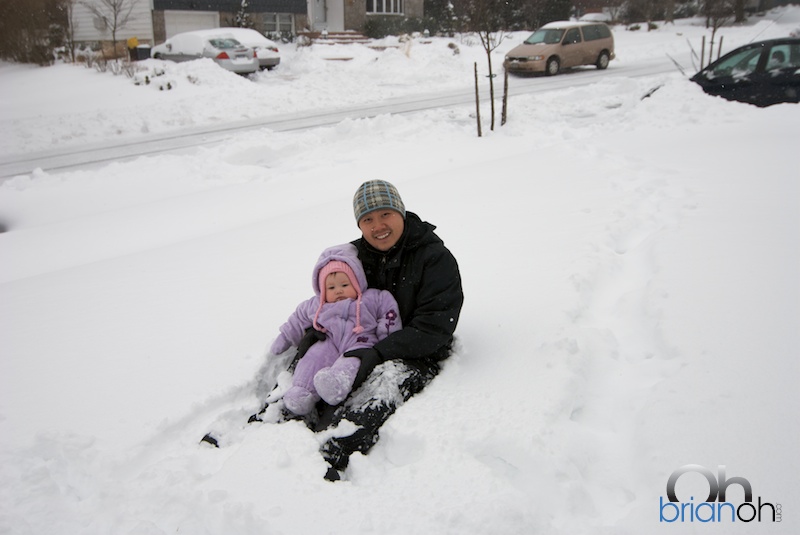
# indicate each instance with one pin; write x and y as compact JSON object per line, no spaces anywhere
{"x":596,"y":31}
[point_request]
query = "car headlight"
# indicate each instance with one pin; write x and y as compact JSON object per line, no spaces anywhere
{"x":535,"y":58}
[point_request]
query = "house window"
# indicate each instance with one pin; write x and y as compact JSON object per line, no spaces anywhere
{"x":385,"y":6}
{"x":278,"y":23}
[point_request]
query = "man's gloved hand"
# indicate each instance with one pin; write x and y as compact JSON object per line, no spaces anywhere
{"x":311,"y":337}
{"x":369,"y":359}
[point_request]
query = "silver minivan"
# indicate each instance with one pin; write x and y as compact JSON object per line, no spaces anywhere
{"x":560,"y":45}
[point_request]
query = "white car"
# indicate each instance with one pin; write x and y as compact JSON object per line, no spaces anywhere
{"x":595,"y":17}
{"x":218,"y":45}
{"x":266,"y":49}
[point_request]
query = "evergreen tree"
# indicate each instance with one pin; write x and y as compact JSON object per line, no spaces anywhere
{"x":552,"y":10}
{"x":31,"y":29}
{"x":440,"y":16}
{"x":242,"y":18}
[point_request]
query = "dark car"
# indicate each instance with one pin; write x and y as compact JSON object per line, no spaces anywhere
{"x":762,"y":73}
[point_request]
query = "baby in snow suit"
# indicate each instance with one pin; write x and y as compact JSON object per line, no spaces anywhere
{"x":351,"y":315}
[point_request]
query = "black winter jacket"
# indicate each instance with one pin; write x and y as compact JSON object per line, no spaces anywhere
{"x":423,"y":276}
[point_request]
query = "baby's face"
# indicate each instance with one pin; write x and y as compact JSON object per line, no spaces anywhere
{"x":338,"y":287}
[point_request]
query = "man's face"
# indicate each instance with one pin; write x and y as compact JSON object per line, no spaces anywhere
{"x":382,"y":228}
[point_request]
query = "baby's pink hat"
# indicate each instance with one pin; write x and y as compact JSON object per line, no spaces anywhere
{"x":337,"y":266}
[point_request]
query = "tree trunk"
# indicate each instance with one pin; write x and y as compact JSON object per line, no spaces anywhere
{"x":669,"y":8}
{"x":491,"y":86}
{"x":477,"y":101}
{"x":711,"y":45}
{"x":504,"y":114}
{"x":702,"y":52}
{"x":738,"y":10}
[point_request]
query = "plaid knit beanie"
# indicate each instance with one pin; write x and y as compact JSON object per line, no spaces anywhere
{"x":374,"y":195}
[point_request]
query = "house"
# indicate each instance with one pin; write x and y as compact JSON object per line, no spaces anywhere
{"x":153,"y":21}
{"x":351,"y":15}
{"x":98,"y":26}
{"x":267,"y":16}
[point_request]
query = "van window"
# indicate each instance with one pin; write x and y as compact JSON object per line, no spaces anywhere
{"x":596,"y":31}
{"x":548,"y":37}
{"x":573,"y":36}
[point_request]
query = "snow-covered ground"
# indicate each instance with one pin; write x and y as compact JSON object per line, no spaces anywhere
{"x":632,"y":299}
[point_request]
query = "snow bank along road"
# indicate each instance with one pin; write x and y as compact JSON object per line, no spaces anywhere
{"x":91,"y":155}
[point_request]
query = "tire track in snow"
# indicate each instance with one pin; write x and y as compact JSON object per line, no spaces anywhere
{"x":92,"y":155}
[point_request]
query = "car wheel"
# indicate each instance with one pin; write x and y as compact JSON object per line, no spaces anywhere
{"x":602,"y":60}
{"x":157,"y":55}
{"x":553,"y":66}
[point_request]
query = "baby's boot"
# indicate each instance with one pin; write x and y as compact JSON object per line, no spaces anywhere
{"x":334,"y":384}
{"x":299,"y":400}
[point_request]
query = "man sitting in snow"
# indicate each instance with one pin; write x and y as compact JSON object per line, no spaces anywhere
{"x":400,"y":253}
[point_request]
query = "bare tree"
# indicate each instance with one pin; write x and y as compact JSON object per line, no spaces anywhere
{"x":490,"y":41}
{"x":477,"y":101}
{"x":113,"y":14}
{"x":669,"y":11}
{"x":644,"y":11}
{"x":615,"y":12}
{"x":738,"y":10}
{"x":488,"y":19}
{"x":68,"y":6}
{"x":718,"y":13}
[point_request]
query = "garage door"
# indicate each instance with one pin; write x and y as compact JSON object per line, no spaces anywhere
{"x":186,"y":21}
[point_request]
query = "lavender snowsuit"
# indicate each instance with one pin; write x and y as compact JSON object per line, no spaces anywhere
{"x":376,"y":312}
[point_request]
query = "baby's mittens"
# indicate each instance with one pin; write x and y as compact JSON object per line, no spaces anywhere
{"x":280,"y":345}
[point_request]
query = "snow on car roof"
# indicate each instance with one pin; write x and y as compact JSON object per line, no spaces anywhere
{"x":565,"y":23}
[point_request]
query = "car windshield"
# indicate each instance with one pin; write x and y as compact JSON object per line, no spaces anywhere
{"x":548,"y":37}
{"x":224,"y":42}
{"x":737,"y":65}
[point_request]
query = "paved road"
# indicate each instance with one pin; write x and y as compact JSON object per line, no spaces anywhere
{"x":93,"y":155}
